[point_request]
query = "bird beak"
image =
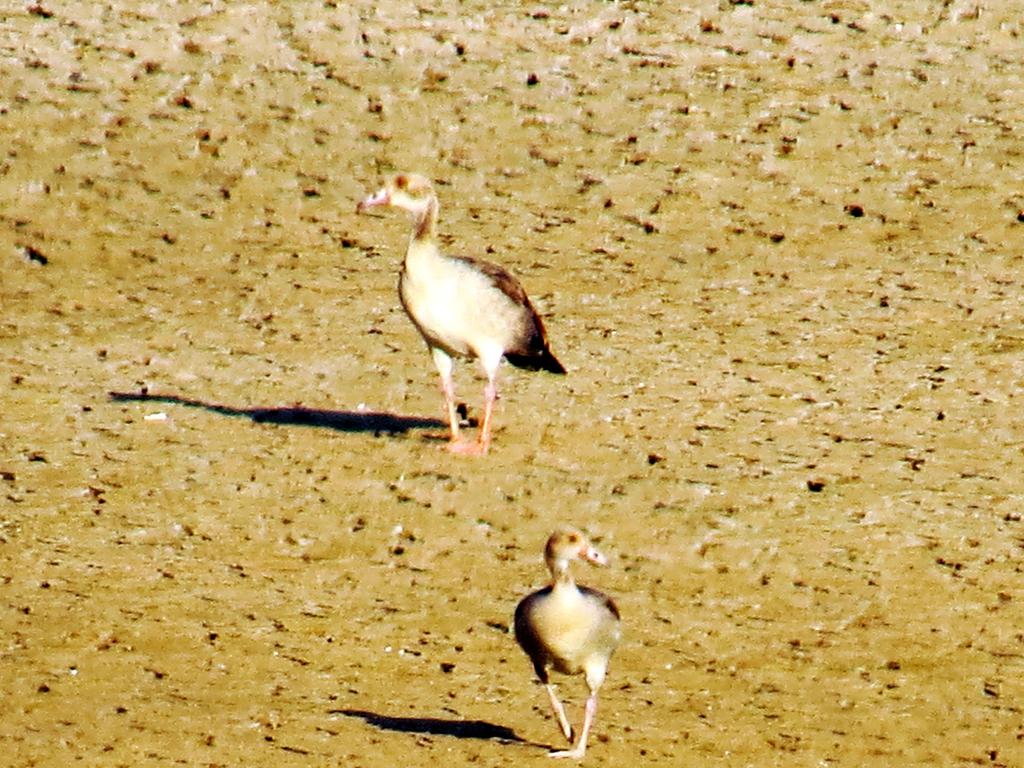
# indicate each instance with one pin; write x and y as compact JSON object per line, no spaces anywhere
{"x":381,"y":197}
{"x":591,"y":555}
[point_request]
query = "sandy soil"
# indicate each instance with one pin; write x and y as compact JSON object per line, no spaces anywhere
{"x":777,"y":245}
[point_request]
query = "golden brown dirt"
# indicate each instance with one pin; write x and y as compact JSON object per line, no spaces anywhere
{"x":778,"y":246}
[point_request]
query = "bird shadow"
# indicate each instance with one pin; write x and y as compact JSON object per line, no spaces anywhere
{"x":461,"y":729}
{"x":377,"y":422}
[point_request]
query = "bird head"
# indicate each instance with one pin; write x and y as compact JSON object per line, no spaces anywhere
{"x":409,"y":191}
{"x":568,"y":544}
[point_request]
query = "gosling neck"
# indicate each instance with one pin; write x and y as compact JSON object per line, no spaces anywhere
{"x":424,"y":223}
{"x":561,"y":576}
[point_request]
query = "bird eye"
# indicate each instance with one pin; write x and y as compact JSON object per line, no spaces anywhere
{"x":574,"y":539}
{"x":401,"y":182}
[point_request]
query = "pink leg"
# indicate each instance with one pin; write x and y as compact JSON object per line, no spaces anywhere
{"x":449,"y":401}
{"x":483,"y":443}
{"x":559,"y":710}
{"x":490,"y":395}
{"x":577,"y":752}
{"x":444,"y":368}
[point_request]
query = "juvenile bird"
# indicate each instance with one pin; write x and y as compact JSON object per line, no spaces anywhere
{"x":570,"y":629}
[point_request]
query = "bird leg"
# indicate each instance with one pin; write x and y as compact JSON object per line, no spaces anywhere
{"x":449,"y":401}
{"x":444,"y":368}
{"x":577,"y":752}
{"x":483,"y":443}
{"x":559,"y":710}
{"x":490,"y":395}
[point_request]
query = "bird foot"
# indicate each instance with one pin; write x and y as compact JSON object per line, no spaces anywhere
{"x":468,"y":449}
{"x":572,"y":754}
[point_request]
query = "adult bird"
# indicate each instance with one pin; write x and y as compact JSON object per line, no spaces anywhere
{"x":463,"y":307}
{"x":570,"y":629}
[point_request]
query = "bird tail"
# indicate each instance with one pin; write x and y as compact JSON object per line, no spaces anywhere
{"x":544,"y":361}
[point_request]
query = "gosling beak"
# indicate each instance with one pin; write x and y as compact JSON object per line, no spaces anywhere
{"x":381,"y":197}
{"x":591,"y":555}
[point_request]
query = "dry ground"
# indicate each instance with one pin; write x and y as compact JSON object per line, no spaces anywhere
{"x":778,"y":246}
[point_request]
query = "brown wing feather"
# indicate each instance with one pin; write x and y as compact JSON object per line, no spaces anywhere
{"x":531,"y":351}
{"x":504,"y":280}
{"x":602,"y":598}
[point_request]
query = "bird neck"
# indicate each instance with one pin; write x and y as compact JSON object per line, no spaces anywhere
{"x":561,"y":576}
{"x":425,"y":222}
